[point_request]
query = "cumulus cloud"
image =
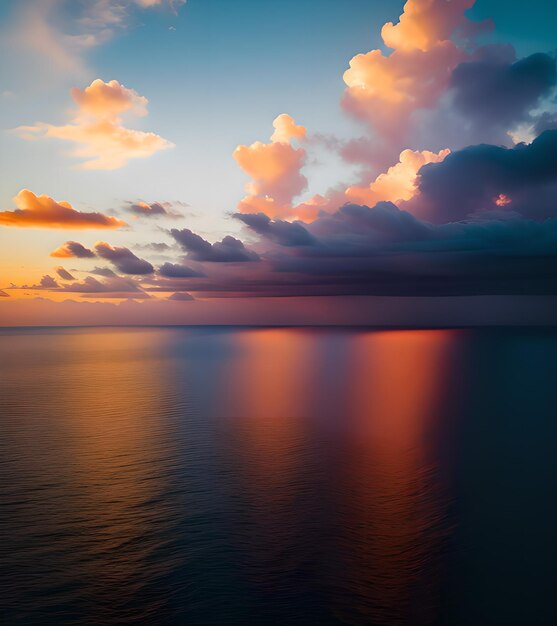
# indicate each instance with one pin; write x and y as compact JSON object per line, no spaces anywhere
{"x":475,"y":178}
{"x":229,"y":250}
{"x":64,"y":274}
{"x":103,"y":271}
{"x":386,"y":90}
{"x":502,"y":92}
{"x":275,"y":168}
{"x":286,"y":129}
{"x":44,"y":212}
{"x":72,"y":249}
{"x":123,"y":259}
{"x":46,"y":282}
{"x":152,"y":209}
{"x":103,"y":141}
{"x":177,"y":270}
{"x":398,"y":182}
{"x":279,"y":231}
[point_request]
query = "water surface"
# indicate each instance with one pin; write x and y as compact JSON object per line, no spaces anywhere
{"x":278,"y":476}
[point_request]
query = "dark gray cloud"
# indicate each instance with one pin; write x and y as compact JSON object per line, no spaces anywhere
{"x":545,"y":121}
{"x":229,"y":250}
{"x":73,"y":249}
{"x":279,"y":231}
{"x":473,"y":179}
{"x":123,"y":259}
{"x":386,"y":251}
{"x":152,"y":209}
{"x":103,"y":271}
{"x":176,"y":270}
{"x":64,"y":274}
{"x":495,"y":91}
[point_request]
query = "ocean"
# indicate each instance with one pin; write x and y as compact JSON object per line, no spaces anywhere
{"x":316,"y":476}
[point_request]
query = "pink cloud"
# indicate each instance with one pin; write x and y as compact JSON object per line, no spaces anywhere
{"x":385,"y":90}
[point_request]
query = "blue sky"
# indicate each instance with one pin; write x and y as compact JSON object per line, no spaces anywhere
{"x":216,"y":81}
{"x":359,"y":120}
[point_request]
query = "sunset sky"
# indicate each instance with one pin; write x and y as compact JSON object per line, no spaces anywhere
{"x":301,"y":161}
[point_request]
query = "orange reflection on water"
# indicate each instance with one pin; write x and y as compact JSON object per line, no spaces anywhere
{"x":112,"y":411}
{"x":270,"y":389}
{"x":270,"y":393}
{"x":390,"y":487}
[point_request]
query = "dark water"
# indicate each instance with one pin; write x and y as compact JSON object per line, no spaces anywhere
{"x":278,"y":476}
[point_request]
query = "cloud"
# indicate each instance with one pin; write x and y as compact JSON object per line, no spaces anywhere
{"x":399,"y":182}
{"x":229,"y":250}
{"x":473,"y":179}
{"x":46,"y":282}
{"x":58,"y":35}
{"x":286,"y":129}
{"x":181,"y":297}
{"x":3,"y":294}
{"x":175,"y":270}
{"x":498,"y":92}
{"x":44,"y":212}
{"x":124,"y":259}
{"x":72,"y":249}
{"x":387,"y":90}
{"x":153,"y":209}
{"x":97,"y":127}
{"x":383,"y":250}
{"x":103,"y":271}
{"x":64,"y":274}
{"x":113,"y":285}
{"x":281,"y":232}
{"x":275,"y":168}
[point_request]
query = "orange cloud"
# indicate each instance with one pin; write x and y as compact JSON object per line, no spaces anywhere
{"x":286,"y":129}
{"x":425,"y":23}
{"x":44,"y":212}
{"x":275,"y":168}
{"x":72,"y":249}
{"x":102,"y":100}
{"x":385,"y":90}
{"x":97,"y":128}
{"x":398,"y":182}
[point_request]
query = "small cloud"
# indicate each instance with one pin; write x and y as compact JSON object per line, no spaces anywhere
{"x":124,"y":259}
{"x":103,"y":271}
{"x":64,"y":274}
{"x":44,"y":212}
{"x":175,"y":270}
{"x":153,"y":209}
{"x":72,"y":249}
{"x":229,"y":250}
{"x":181,"y":297}
{"x":104,"y":142}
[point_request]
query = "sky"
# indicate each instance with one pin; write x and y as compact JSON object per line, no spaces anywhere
{"x":308,"y":161}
